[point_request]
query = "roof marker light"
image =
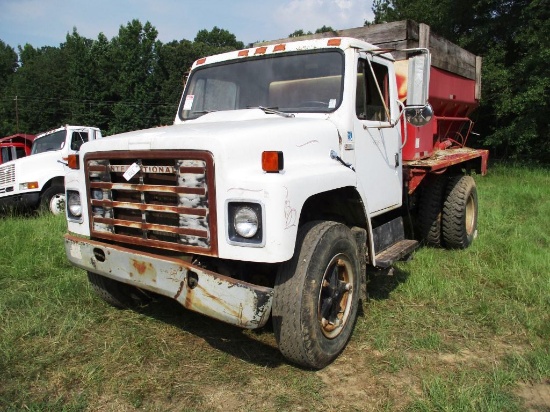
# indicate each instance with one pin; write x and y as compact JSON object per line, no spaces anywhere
{"x":334,"y":42}
{"x":279,"y":47}
{"x":261,"y":50}
{"x":201,"y":61}
{"x":243,"y":53}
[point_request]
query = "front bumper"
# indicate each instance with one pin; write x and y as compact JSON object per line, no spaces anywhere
{"x":20,"y":201}
{"x":214,"y":295}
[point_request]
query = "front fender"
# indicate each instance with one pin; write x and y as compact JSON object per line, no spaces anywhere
{"x":283,"y":196}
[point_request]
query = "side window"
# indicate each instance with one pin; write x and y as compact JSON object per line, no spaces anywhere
{"x":5,"y":154}
{"x":372,"y":92}
{"x":77,"y":139}
{"x":20,"y":152}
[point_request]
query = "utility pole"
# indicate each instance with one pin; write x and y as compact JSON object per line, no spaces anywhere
{"x":16,"y":116}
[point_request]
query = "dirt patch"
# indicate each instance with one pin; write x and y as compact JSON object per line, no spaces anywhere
{"x":536,"y":397}
{"x":353,"y":387}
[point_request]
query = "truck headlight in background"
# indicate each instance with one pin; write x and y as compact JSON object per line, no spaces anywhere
{"x":28,"y":185}
{"x":74,"y":205}
{"x":245,"y":223}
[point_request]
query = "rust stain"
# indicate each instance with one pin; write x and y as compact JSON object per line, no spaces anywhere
{"x":141,"y":267}
{"x":144,"y":269}
{"x":182,"y":284}
{"x":189,"y":299}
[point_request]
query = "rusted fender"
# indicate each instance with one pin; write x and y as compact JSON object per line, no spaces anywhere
{"x":220,"y":297}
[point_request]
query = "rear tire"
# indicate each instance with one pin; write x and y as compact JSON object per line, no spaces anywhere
{"x":430,"y":210}
{"x":117,"y":294}
{"x":459,"y":220}
{"x":317,"y":295}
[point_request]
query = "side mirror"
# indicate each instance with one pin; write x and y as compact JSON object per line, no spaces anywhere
{"x":419,"y":116}
{"x":418,"y":80}
{"x":418,"y":112}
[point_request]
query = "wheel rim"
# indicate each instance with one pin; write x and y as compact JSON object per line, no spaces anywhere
{"x":57,"y":204}
{"x":335,"y":296}
{"x":470,"y":215}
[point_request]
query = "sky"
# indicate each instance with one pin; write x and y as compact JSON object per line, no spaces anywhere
{"x":47,"y":22}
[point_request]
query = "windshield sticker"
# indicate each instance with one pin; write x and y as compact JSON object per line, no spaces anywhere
{"x":350,"y":136}
{"x":332,"y":103}
{"x":188,"y":102}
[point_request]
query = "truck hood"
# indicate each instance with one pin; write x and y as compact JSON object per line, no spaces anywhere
{"x":239,"y":137}
{"x":38,"y":162}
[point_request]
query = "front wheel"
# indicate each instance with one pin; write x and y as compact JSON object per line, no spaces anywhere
{"x":117,"y":294}
{"x":317,"y":295}
{"x":53,"y":200}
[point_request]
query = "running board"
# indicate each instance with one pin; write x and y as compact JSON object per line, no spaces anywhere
{"x":396,"y":252}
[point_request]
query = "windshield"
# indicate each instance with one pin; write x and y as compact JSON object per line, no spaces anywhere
{"x":54,"y":141}
{"x":290,"y":82}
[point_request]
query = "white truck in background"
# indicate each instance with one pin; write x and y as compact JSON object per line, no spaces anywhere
{"x":291,"y":168}
{"x":38,"y":180}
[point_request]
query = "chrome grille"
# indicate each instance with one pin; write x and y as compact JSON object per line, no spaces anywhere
{"x":7,"y":175}
{"x":168,"y":203}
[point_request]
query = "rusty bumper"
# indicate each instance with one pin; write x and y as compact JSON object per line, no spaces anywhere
{"x":220,"y":297}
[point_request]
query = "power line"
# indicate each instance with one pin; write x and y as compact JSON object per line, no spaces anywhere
{"x":90,"y":102}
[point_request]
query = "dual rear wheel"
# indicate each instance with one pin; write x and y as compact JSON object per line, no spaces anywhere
{"x":447,"y":211}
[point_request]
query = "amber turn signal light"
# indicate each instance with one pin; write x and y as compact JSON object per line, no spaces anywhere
{"x":73,"y":161}
{"x":272,"y":162}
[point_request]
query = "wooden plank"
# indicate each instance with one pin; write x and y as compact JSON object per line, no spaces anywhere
{"x":448,"y":56}
{"x":375,"y":34}
{"x":478,"y":77}
{"x":406,"y":34}
{"x":424,"y":36}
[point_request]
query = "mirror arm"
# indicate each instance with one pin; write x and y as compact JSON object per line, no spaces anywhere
{"x":379,"y":90}
{"x":401,"y":114}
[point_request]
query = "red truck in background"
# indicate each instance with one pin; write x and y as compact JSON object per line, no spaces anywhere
{"x":15,"y":146}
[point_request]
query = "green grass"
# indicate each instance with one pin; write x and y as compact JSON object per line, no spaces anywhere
{"x":449,"y":331}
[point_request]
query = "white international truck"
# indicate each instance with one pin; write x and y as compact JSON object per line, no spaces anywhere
{"x":38,"y":179}
{"x":289,"y":171}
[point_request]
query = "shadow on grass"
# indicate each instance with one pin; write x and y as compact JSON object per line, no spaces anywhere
{"x":382,"y":282}
{"x":249,"y":346}
{"x":239,"y":343}
{"x":15,"y":213}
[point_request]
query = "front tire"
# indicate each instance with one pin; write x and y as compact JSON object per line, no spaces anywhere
{"x":117,"y":294}
{"x":317,"y":295}
{"x":53,"y":200}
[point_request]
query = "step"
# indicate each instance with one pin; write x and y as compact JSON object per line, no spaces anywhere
{"x":396,"y":253}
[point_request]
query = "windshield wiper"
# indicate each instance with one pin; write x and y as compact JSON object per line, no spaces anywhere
{"x":203,"y":111}
{"x":273,"y":110}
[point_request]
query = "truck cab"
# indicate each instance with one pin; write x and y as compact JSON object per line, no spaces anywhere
{"x":38,"y":179}
{"x":15,"y":146}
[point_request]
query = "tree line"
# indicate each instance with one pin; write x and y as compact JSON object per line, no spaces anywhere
{"x":134,"y":81}
{"x":513,"y":37}
{"x":130,"y":82}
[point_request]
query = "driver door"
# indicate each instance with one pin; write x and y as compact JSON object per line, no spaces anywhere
{"x":378,"y":144}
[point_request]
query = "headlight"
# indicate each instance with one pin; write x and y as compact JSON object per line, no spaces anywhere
{"x":28,"y":185}
{"x":74,"y":206}
{"x":246,"y":222}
